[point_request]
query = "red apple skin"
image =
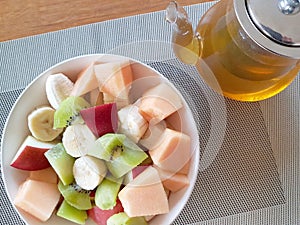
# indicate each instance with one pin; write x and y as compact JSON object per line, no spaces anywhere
{"x":101,"y":119}
{"x":31,"y":158}
{"x":137,"y":170}
{"x":100,"y":216}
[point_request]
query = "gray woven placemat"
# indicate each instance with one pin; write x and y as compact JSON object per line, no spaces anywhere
{"x":238,"y":180}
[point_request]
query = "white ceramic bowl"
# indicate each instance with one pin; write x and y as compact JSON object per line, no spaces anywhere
{"x":34,"y":95}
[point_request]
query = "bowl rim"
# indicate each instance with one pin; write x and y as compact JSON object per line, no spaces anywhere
{"x":194,"y":166}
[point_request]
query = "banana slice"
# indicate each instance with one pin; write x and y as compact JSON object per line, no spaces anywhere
{"x":132,"y":123}
{"x":89,"y":172}
{"x":58,"y":88}
{"x":40,"y":124}
{"x":77,"y":139}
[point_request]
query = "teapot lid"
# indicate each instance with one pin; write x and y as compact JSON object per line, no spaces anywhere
{"x":273,"y":24}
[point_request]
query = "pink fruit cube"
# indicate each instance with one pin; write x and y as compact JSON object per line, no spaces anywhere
{"x":100,"y":216}
{"x":101,"y":119}
{"x":37,"y":198}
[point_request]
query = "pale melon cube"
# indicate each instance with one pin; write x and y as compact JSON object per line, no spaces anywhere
{"x":114,"y":78}
{"x":96,"y":97}
{"x":121,"y":102}
{"x":144,"y":195}
{"x":159,"y":102}
{"x":46,"y":175}
{"x":37,"y":198}
{"x":173,"y":181}
{"x":86,"y":81}
{"x":173,"y":153}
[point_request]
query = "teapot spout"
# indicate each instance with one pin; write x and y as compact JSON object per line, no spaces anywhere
{"x":186,"y":45}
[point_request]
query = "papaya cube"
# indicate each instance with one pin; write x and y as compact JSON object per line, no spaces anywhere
{"x":159,"y":102}
{"x":86,"y":81}
{"x":37,"y":198}
{"x":144,"y":195}
{"x":114,"y":78}
{"x":173,"y":181}
{"x":46,"y":175}
{"x":173,"y":153}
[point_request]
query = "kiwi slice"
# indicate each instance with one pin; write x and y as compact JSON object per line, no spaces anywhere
{"x":107,"y":192}
{"x":75,"y":196}
{"x":124,"y":160}
{"x":124,"y":219}
{"x":68,"y":112}
{"x":70,"y":213}
{"x":120,"y":153}
{"x":61,"y":162}
{"x":107,"y":145}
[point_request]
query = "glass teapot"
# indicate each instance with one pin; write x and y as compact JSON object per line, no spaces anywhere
{"x":247,"y":50}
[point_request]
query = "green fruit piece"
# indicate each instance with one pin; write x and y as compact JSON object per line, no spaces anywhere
{"x":107,"y":192}
{"x":70,"y":213}
{"x":68,"y":111}
{"x":75,"y":196}
{"x":61,"y":162}
{"x":122,"y":219}
{"x":126,"y":159}
{"x":107,"y":145}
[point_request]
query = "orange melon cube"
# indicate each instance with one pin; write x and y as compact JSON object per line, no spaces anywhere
{"x":114,"y":78}
{"x":46,"y":175}
{"x":86,"y":81}
{"x":159,"y":102}
{"x":37,"y":198}
{"x":186,"y":168}
{"x":173,"y":153}
{"x":173,"y":181}
{"x":96,"y":97}
{"x":121,"y":102}
{"x":144,"y":195}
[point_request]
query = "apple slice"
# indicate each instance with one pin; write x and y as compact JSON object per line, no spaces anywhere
{"x":100,"y":216}
{"x":30,"y":155}
{"x":123,"y":218}
{"x":101,"y":119}
{"x":128,"y":177}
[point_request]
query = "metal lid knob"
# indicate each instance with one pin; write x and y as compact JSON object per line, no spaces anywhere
{"x":272,"y":24}
{"x":289,"y":7}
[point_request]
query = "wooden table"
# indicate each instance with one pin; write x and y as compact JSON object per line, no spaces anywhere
{"x":21,"y":18}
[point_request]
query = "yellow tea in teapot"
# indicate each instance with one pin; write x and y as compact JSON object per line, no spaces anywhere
{"x":243,"y":69}
{"x":229,"y":60}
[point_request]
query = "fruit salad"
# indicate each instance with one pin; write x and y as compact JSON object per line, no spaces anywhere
{"x":94,"y":152}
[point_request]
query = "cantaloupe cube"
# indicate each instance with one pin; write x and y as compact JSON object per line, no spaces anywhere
{"x":86,"y":81}
{"x":37,"y":198}
{"x":173,"y":181}
{"x":186,"y":168}
{"x":144,"y":195}
{"x":46,"y":175}
{"x":114,"y":78}
{"x":173,"y":153}
{"x":121,"y":102}
{"x":159,"y":102}
{"x":153,"y":135}
{"x":96,"y":97}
